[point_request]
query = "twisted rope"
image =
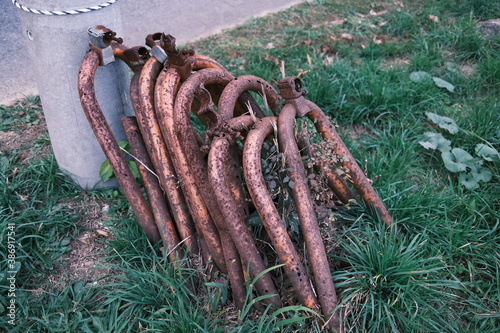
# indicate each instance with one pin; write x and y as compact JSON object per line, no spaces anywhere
{"x":63,"y":12}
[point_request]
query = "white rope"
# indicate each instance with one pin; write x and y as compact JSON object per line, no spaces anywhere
{"x":63,"y":12}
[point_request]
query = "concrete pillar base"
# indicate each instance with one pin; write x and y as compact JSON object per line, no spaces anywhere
{"x":57,"y":44}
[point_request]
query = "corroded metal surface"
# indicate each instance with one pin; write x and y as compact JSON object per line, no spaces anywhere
{"x":234,"y":215}
{"x":185,"y":133}
{"x":307,"y":216}
{"x":269,"y":215}
{"x":159,"y":154}
{"x":169,"y":82}
{"x":110,"y":146}
{"x":199,"y":200}
{"x":166,"y":226}
{"x":243,"y":84}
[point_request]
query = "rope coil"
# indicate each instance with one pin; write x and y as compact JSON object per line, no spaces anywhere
{"x":63,"y":12}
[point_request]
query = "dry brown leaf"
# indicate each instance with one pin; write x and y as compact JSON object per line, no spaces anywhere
{"x":434,"y":18}
{"x":347,"y":36}
{"x":337,"y":22}
{"x":103,"y":233}
{"x":329,"y":59}
{"x":374,"y":13}
{"x":270,"y":45}
{"x":377,"y":41}
{"x":273,"y":59}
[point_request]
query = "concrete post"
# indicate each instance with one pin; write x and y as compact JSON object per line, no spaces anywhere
{"x":57,"y":44}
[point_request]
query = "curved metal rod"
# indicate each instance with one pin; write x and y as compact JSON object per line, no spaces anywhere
{"x":187,"y":140}
{"x":110,"y":147}
{"x":234,"y":94}
{"x":234,"y":269}
{"x":165,"y":93}
{"x":158,"y":202}
{"x":243,"y":84}
{"x":199,"y":61}
{"x":134,"y":57}
{"x":307,"y":216}
{"x":234,"y":216}
{"x":360,"y":182}
{"x":269,"y":215}
{"x":159,"y":154}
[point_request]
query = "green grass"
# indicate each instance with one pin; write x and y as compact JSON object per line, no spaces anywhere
{"x":438,"y":270}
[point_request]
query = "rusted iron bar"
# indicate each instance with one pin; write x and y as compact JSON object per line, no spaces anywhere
{"x":166,"y":92}
{"x":187,"y":139}
{"x":159,"y":154}
{"x":135,"y":57}
{"x":269,"y":215}
{"x":243,"y":84}
{"x":157,"y":200}
{"x":234,"y":268}
{"x":307,"y":216}
{"x":110,"y":146}
{"x":361,"y":183}
{"x":235,"y":93}
{"x":226,"y":190}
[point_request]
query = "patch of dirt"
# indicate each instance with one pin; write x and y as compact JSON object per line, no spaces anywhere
{"x":467,"y":70}
{"x":24,"y":138}
{"x":356,"y":132}
{"x":396,"y":63}
{"x":490,"y":28}
{"x":83,"y":262}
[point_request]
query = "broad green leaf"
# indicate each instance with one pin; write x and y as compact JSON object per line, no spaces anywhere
{"x":443,"y":122}
{"x":483,"y":174}
{"x":457,"y":160}
{"x":471,"y":180}
{"x":105,"y":171}
{"x":133,"y":167}
{"x":431,"y":140}
{"x":488,"y":153}
{"x":443,"y":84}
{"x":419,"y":76}
{"x":468,"y":181}
{"x":123,"y":144}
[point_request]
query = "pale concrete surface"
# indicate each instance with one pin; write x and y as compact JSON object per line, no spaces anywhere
{"x":57,"y":45}
{"x":185,"y":20}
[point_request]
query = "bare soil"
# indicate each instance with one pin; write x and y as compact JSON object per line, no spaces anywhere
{"x":84,"y":262}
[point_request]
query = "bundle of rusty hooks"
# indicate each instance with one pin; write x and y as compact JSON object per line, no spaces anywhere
{"x":201,"y":191}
